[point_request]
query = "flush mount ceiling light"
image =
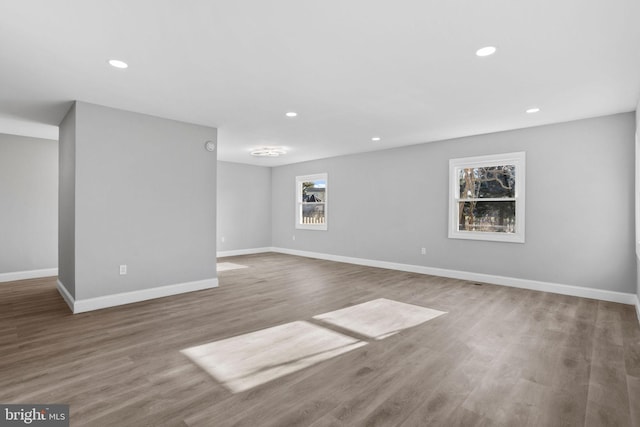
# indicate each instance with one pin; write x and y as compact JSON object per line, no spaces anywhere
{"x":268,"y":152}
{"x":375,"y":138}
{"x":486,"y":51}
{"x":118,"y":64}
{"x":533,"y":110}
{"x":291,"y":114}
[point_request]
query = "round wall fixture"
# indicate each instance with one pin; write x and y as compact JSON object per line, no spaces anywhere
{"x":210,"y":146}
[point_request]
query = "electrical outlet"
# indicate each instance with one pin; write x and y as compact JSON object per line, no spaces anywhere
{"x":123,"y":269}
{"x":294,"y":237}
{"x":423,"y":251}
{"x":222,"y":239}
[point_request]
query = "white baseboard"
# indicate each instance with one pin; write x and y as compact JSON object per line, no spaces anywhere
{"x":97,"y":303}
{"x":222,"y":254}
{"x":556,"y":288}
{"x":31,"y":274}
{"x":638,"y":307}
{"x":66,"y":296}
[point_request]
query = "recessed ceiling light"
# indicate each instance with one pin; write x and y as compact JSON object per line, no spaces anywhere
{"x":268,"y":152}
{"x":117,"y":63}
{"x":375,"y":138}
{"x":486,"y":51}
{"x":533,"y":110}
{"x":291,"y":114}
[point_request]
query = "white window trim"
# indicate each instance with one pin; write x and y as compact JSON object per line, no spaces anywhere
{"x":519,"y":160}
{"x":637,"y":191}
{"x":299,"y":181}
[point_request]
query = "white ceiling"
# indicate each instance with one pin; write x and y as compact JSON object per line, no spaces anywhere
{"x":404,"y":70}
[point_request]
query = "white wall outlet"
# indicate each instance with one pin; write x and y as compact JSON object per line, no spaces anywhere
{"x":123,"y":269}
{"x":294,"y":237}
{"x":222,"y":239}
{"x":423,"y":251}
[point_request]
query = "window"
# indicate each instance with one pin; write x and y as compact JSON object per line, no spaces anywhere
{"x":311,"y":202}
{"x":638,"y":191}
{"x":487,"y":197}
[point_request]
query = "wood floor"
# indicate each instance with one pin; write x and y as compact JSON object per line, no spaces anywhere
{"x":499,"y":357}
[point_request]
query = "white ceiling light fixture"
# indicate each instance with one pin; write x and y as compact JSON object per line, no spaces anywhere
{"x":291,"y":114}
{"x":532,"y":110}
{"x":375,"y":138}
{"x":116,"y":63}
{"x":486,"y":51}
{"x":268,"y":152}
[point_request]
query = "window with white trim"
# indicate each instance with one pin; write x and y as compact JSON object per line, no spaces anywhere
{"x":311,"y":202}
{"x":638,"y":191}
{"x":486,"y":196}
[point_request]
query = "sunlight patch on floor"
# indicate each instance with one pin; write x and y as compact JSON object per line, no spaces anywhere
{"x":380,"y":318}
{"x":246,"y":361}
{"x":224,"y":266}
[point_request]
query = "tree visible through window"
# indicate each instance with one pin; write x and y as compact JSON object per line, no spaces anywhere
{"x":311,"y":202}
{"x":488,"y":197}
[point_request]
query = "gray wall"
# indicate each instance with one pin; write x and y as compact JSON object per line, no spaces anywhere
{"x":145,"y":196}
{"x":67,"y":202}
{"x":638,"y":213}
{"x":244,"y":206}
{"x":28,"y":203}
{"x":386,"y":205}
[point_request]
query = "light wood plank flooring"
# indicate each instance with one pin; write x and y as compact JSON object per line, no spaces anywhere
{"x":500,"y":356}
